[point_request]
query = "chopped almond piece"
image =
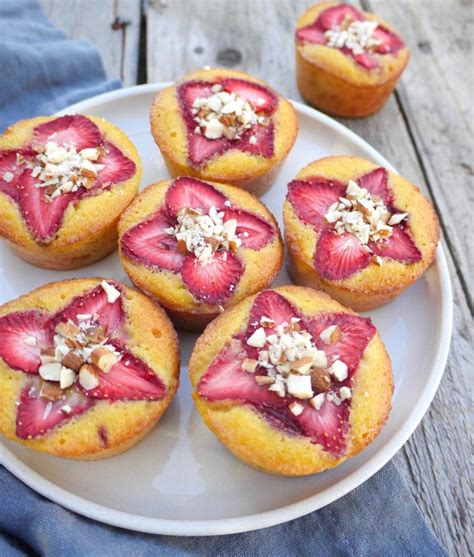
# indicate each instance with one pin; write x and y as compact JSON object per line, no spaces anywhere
{"x":181,"y":247}
{"x":249,"y":365}
{"x":303,"y":365}
{"x":51,"y":390}
{"x":68,"y":330}
{"x":88,"y":377}
{"x":94,"y":334}
{"x":72,"y":361}
{"x":320,"y":380}
{"x":264,"y":379}
{"x":48,"y":355}
{"x":104,"y":359}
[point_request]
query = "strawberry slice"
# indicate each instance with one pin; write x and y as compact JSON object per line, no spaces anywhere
{"x":214,"y":281}
{"x":69,"y":131}
{"x":201,"y":149}
{"x":260,"y":97}
{"x":355,"y":334}
{"x":364,"y":59}
{"x":272,"y":305}
{"x":311,"y":34}
{"x":191,"y":193}
{"x":15,"y":329}
{"x":118,"y":168}
{"x":376,"y":183}
{"x":327,"y":426}
{"x":334,"y":16}
{"x":311,"y":198}
{"x":338,"y":257}
{"x":42,"y":216}
{"x":398,"y":246}
{"x":37,"y":415}
{"x":129,"y":379}
{"x":389,"y":41}
{"x":253,"y":230}
{"x":148,"y":244}
{"x":226,"y":380}
{"x":264,"y":135}
{"x":95,"y":302}
{"x":9,"y":168}
{"x":189,"y":91}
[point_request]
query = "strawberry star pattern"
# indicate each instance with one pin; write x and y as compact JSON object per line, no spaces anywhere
{"x":150,"y":243}
{"x":338,"y":256}
{"x":339,"y":17}
{"x":42,"y":213}
{"x":129,"y":379}
{"x":226,"y":380}
{"x":257,"y":140}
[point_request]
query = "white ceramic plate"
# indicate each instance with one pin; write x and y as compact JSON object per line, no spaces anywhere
{"x":180,"y":480}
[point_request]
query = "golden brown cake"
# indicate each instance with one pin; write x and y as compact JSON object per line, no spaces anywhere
{"x":64,"y":181}
{"x":292,"y":382}
{"x":347,"y":61}
{"x":198,"y":247}
{"x":225,"y":126}
{"x":359,"y":232}
{"x":87,"y":368}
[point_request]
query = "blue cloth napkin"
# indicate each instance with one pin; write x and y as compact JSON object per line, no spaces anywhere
{"x":41,"y":71}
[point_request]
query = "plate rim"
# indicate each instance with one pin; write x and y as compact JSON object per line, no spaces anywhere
{"x":285,"y":513}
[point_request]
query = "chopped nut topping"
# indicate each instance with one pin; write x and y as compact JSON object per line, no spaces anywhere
{"x":51,"y":391}
{"x":296,"y":408}
{"x":224,"y":114}
{"x":203,"y":235}
{"x":293,"y":363}
{"x":345,"y":393}
{"x":330,"y":335}
{"x":354,"y":35}
{"x":76,"y":348}
{"x":111,"y":292}
{"x":363,"y":215}
{"x":88,"y":377}
{"x":320,"y":380}
{"x":61,"y":170}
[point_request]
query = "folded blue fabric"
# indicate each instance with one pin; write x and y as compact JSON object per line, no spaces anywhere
{"x":378,"y":518}
{"x":41,"y":72}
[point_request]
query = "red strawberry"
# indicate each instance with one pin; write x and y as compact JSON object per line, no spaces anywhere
{"x":364,"y":59}
{"x":43,"y":217}
{"x":355,"y":334}
{"x":191,"y":193}
{"x":129,"y":379}
{"x":148,"y":244}
{"x":376,"y":183}
{"x":37,"y":415}
{"x":253,"y":230}
{"x":95,"y":302}
{"x":311,"y":198}
{"x":338,"y":257}
{"x":226,"y":380}
{"x":189,"y":91}
{"x":202,"y":149}
{"x":334,"y":16}
{"x":398,"y":246}
{"x":261,"y":98}
{"x":311,"y":34}
{"x":118,"y":168}
{"x":264,"y":135}
{"x":327,"y":426}
{"x":15,"y":328}
{"x":389,"y":41}
{"x":272,"y":305}
{"x":214,"y":281}
{"x":9,"y":165}
{"x":70,"y":131}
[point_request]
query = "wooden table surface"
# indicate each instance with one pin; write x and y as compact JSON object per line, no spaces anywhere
{"x":424,"y":130}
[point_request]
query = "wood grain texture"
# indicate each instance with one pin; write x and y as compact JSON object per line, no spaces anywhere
{"x":424,"y":130}
{"x":94,"y":20}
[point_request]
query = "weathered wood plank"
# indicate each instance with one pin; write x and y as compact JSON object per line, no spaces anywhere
{"x":95,"y":21}
{"x":435,"y":97}
{"x":257,"y":37}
